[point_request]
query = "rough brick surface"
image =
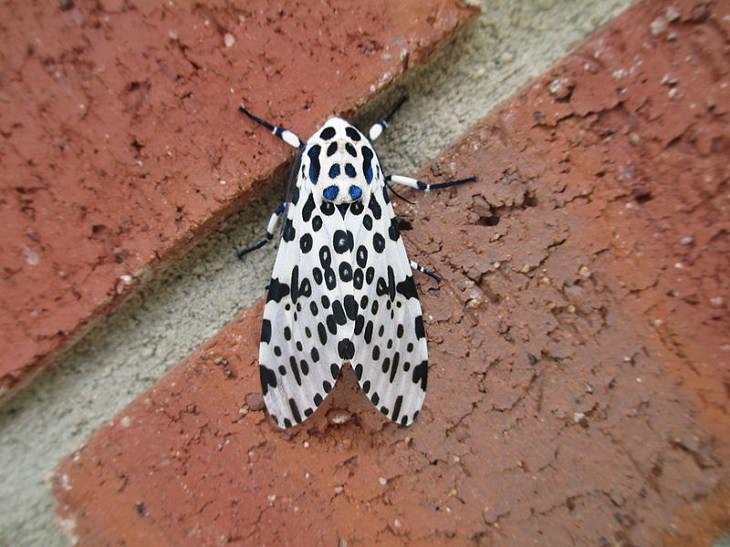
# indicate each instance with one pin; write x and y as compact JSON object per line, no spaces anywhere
{"x":578,"y":344}
{"x":117,"y":152}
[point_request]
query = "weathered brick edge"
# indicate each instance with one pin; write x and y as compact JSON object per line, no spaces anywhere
{"x":449,"y":16}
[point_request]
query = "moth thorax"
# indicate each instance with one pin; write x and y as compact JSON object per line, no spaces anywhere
{"x":339,"y":161}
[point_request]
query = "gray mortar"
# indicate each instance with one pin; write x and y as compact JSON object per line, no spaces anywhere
{"x":510,"y":43}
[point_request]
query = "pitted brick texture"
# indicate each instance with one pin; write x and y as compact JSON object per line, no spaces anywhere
{"x":119,"y":152}
{"x":577,"y":390}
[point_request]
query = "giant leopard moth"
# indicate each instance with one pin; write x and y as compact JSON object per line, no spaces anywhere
{"x":342,"y":288}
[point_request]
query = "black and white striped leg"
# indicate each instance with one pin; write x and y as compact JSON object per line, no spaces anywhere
{"x":284,"y":134}
{"x":270,"y":229}
{"x":377,"y":128}
{"x":416,"y":266}
{"x":425,"y":186}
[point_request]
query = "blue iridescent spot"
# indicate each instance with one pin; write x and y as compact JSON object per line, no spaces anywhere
{"x":330,"y":193}
{"x":355,"y":192}
{"x":334,"y":171}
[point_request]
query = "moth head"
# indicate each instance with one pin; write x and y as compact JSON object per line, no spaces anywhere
{"x":340,"y":163}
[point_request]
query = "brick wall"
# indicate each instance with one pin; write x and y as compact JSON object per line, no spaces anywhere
{"x":578,"y":341}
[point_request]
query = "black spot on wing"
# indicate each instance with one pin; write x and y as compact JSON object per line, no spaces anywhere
{"x":362,"y":256}
{"x":334,"y":371}
{"x":322,"y":333}
{"x":339,"y":312}
{"x":394,"y":366}
{"x":420,"y":330}
{"x":345,"y":272}
{"x":391,"y":284}
{"x":393,"y":231}
{"x":294,"y":287}
{"x":346,"y":349}
{"x":381,"y":288}
{"x":295,"y":411}
{"x":420,"y":374}
{"x":332,"y":324}
{"x":367,"y":163}
{"x":396,"y":408}
{"x":407,"y":288}
{"x":308,"y":208}
{"x":325,"y":257}
{"x":314,"y":167}
{"x":277,"y":291}
{"x":368,"y":336}
{"x":305,"y":289}
{"x":375,"y":208}
{"x":378,"y":242}
{"x":317,"y":223}
{"x":350,"y":307}
{"x":305,"y":243}
{"x":295,"y":369}
{"x":328,"y":208}
{"x":342,"y":241}
{"x":353,"y":133}
{"x":359,"y":324}
{"x":327,"y":133}
{"x":330,"y":279}
{"x":266,"y":331}
{"x":268,"y":378}
{"x":358,"y":279}
{"x":331,"y":149}
{"x":351,"y":149}
{"x":289,"y":232}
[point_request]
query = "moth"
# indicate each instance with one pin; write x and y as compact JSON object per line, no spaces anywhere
{"x":342,"y":288}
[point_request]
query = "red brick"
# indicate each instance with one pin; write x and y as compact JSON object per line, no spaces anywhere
{"x":559,"y":410}
{"x":122,"y":141}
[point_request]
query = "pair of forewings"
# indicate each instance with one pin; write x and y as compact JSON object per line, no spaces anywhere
{"x":342,"y":290}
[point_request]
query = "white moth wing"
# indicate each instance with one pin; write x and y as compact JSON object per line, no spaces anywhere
{"x":303,"y":324}
{"x":391,"y":355}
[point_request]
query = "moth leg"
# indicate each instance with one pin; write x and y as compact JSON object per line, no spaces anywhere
{"x":284,"y":134}
{"x":377,"y":128}
{"x":425,"y":186}
{"x":270,"y":229}
{"x":416,"y":266}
